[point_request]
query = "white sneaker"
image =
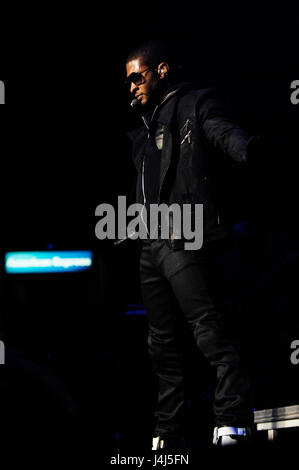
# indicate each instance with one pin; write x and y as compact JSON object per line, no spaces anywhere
{"x":228,"y":435}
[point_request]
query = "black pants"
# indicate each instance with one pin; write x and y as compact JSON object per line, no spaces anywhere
{"x":189,"y":277}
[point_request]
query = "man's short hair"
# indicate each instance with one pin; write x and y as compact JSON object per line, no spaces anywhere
{"x":152,"y":52}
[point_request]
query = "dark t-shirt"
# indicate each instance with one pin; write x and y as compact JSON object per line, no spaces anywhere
{"x":152,"y":159}
{"x":149,"y":181}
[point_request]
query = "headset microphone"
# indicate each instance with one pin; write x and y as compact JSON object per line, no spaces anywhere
{"x":134,"y":102}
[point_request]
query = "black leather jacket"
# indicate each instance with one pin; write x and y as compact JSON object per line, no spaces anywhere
{"x":189,"y":125}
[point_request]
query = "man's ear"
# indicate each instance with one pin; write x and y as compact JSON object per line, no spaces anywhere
{"x":163,"y":69}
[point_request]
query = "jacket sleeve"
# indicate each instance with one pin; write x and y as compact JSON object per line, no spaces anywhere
{"x":223,"y":132}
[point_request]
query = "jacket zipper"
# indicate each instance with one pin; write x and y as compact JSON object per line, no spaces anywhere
{"x":187,"y":136}
{"x":148,"y":134}
{"x":185,"y":126}
{"x":144,"y":198}
{"x":142,"y":180}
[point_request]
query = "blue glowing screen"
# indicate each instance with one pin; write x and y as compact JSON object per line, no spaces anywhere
{"x":47,"y":261}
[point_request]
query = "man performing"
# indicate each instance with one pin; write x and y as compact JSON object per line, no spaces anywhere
{"x":173,"y":154}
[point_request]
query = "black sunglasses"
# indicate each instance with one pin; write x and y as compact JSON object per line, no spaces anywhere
{"x":136,"y":77}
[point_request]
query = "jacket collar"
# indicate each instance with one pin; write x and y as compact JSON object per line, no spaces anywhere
{"x":174,"y":90}
{"x":166,"y":118}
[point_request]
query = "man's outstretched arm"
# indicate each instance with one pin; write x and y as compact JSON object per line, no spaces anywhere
{"x":224,"y":133}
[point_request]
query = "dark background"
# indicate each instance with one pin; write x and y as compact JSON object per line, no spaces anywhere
{"x":71,"y":349}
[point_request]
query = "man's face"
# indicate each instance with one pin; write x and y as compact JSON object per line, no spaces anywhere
{"x":146,"y":81}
